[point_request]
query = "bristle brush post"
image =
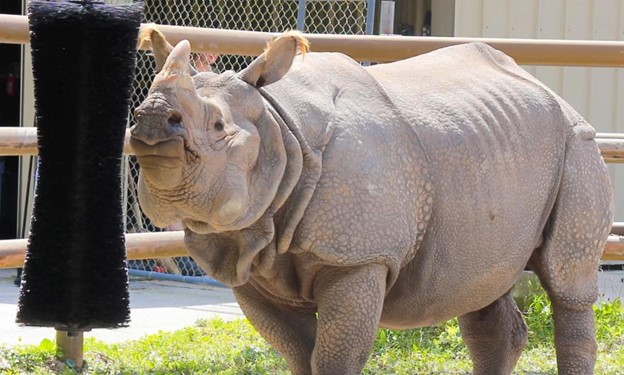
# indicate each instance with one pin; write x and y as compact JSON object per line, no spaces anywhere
{"x":75,"y":274}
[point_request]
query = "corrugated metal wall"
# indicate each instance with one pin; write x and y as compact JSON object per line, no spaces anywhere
{"x":597,"y":93}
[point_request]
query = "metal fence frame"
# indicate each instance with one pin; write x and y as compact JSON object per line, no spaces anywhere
{"x":22,"y":141}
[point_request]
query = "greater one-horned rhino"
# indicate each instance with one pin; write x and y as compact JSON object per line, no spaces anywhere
{"x":335,"y":198}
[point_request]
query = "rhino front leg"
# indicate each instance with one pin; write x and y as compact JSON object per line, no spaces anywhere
{"x":350,"y":302}
{"x":495,"y":336}
{"x":290,"y":332}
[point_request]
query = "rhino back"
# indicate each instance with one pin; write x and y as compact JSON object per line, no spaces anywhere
{"x":495,"y":140}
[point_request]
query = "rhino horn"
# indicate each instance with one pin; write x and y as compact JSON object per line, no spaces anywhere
{"x":177,"y":62}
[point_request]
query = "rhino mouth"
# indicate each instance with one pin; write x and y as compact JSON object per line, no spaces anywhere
{"x":169,"y":153}
{"x":200,"y":227}
{"x":162,"y":164}
{"x":205,"y":227}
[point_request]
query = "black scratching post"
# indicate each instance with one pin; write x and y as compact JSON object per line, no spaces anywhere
{"x":75,"y":275}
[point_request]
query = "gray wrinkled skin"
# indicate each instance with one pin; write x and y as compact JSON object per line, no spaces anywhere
{"x":399,"y":195}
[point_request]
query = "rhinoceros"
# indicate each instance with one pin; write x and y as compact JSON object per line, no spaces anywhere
{"x":336,"y":199}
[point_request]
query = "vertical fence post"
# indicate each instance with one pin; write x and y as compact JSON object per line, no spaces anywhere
{"x":301,"y":11}
{"x":370,"y":22}
{"x":386,"y":18}
{"x":370,"y":17}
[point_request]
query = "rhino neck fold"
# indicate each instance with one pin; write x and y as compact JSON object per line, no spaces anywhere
{"x":311,"y":156}
{"x":229,"y":256}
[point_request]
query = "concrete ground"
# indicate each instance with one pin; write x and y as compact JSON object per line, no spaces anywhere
{"x":611,"y":285}
{"x":168,"y":306}
{"x":155,"y":306}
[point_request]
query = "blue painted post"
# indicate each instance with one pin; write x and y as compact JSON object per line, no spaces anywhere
{"x":301,"y":15}
{"x":370,"y":21}
{"x":370,"y":17}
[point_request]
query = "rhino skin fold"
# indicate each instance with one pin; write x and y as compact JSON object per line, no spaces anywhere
{"x":75,"y":274}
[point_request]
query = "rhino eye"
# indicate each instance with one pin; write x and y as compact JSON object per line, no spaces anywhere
{"x":175,"y":118}
{"x":218,"y":126}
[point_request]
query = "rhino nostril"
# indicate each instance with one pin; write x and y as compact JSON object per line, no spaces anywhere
{"x":153,"y":128}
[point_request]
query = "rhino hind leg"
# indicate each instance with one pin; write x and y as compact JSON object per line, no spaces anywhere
{"x":495,"y":336}
{"x":567,"y":262}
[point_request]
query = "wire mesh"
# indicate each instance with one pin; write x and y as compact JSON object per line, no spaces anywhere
{"x":335,"y":17}
{"x":321,"y":16}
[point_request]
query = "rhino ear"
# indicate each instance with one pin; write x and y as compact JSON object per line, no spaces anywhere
{"x":276,"y":60}
{"x":150,"y":37}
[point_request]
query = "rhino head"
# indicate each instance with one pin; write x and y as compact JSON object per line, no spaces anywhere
{"x":210,"y":153}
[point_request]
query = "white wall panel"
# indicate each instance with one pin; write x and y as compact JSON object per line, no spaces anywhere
{"x":597,"y":93}
{"x":468,"y":18}
{"x":550,"y":27}
{"x":496,"y":18}
{"x":578,"y":22}
{"x":522,"y":18}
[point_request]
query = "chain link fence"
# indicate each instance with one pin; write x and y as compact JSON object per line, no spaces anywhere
{"x":318,"y":16}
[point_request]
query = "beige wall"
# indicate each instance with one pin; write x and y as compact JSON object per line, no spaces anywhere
{"x":442,"y":17}
{"x":597,"y":93}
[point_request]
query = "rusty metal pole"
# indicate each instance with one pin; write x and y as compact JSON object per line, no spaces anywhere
{"x":19,"y":141}
{"x":138,"y":246}
{"x":70,"y":348}
{"x":171,"y":244}
{"x":373,"y":48}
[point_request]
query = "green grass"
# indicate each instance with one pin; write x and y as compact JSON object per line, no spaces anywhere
{"x":218,"y":347}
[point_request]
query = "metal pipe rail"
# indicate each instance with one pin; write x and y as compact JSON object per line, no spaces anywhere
{"x":18,"y":141}
{"x":21,"y":141}
{"x":171,"y":244}
{"x":611,"y":147}
{"x":138,"y":246}
{"x":373,"y":48}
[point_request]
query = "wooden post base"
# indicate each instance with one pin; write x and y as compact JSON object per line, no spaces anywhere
{"x":69,"y":345}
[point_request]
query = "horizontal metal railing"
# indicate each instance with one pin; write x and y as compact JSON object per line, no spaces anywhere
{"x":373,"y":48}
{"x":16,"y":141}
